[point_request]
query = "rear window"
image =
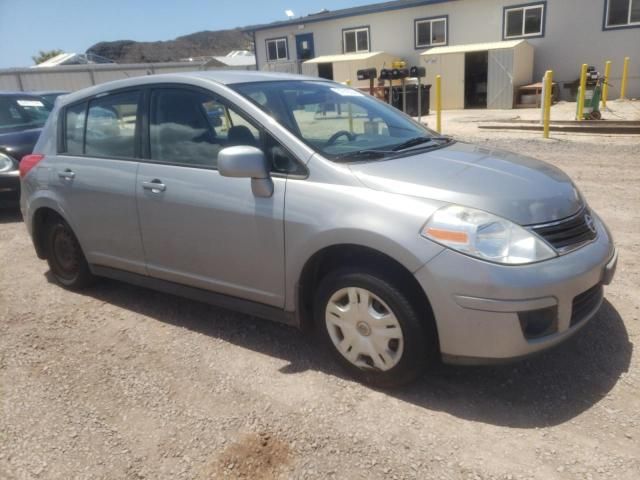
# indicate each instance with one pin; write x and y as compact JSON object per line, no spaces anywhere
{"x":111,"y":125}
{"x":106,"y":129}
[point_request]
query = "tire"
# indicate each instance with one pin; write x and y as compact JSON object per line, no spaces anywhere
{"x":595,"y":115}
{"x":385,"y":321}
{"x":65,"y":258}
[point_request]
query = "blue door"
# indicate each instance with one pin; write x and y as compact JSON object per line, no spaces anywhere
{"x":304,"y":47}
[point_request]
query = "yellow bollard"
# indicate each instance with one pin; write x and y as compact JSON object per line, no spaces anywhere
{"x":605,"y":87}
{"x":438,"y":104}
{"x":625,"y":74}
{"x":350,"y":111}
{"x":583,"y":85}
{"x":548,"y":87}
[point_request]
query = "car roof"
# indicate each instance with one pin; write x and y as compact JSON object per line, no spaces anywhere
{"x":224,"y":77}
{"x":20,"y":94}
{"x":228,"y":77}
{"x":49,"y":92}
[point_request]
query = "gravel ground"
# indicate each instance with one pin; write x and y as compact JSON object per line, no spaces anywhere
{"x":122,"y":382}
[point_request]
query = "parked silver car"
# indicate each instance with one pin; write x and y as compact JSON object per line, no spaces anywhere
{"x":307,"y":202}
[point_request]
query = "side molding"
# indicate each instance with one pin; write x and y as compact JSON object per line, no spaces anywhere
{"x":246,"y":307}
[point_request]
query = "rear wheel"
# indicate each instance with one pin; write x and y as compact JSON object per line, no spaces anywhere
{"x":377,"y":332}
{"x":64,"y":255}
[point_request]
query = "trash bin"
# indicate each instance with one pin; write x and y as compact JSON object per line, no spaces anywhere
{"x":412,"y":98}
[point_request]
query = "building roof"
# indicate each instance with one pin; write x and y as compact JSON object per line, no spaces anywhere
{"x":473,"y":47}
{"x":345,"y":57}
{"x":238,"y":58}
{"x":344,"y":12}
{"x":73,"y":59}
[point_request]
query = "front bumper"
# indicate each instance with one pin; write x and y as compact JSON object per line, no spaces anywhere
{"x":9,"y":189}
{"x":484,"y":312}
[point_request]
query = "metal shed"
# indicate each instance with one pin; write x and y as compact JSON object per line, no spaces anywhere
{"x":480,"y":75}
{"x":345,"y":67}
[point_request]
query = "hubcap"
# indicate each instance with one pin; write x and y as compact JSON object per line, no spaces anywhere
{"x":364,"y":329}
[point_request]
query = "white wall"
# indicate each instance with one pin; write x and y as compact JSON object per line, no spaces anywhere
{"x":573,"y":35}
{"x":75,"y":77}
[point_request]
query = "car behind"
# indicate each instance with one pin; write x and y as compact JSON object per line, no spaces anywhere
{"x":22,"y":117}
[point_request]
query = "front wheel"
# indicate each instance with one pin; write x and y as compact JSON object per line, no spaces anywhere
{"x":64,"y":255}
{"x":377,"y":332}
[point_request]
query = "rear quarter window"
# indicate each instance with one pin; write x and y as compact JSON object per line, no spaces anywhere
{"x":74,"y":128}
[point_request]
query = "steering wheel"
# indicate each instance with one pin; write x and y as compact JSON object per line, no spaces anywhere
{"x":338,"y":134}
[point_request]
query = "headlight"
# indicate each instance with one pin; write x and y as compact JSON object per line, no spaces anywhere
{"x":6,"y":163}
{"x":485,"y":236}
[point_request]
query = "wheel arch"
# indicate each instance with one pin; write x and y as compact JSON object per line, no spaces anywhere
{"x":39,"y":219}
{"x":335,"y":256}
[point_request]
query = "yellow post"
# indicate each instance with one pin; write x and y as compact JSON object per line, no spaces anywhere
{"x":438,"y":104}
{"x":350,"y":111}
{"x":625,"y":74}
{"x":583,"y":85}
{"x":605,"y":87}
{"x":548,"y":87}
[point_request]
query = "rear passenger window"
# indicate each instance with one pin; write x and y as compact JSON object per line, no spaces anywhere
{"x":189,"y":127}
{"x":111,"y":125}
{"x":74,"y":123}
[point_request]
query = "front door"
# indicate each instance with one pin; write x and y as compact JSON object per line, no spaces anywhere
{"x":304,"y":47}
{"x":199,"y":228}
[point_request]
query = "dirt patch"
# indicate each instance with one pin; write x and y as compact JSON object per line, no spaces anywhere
{"x":256,"y":456}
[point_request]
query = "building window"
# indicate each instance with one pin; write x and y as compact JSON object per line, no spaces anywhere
{"x":524,"y":21}
{"x":622,"y":13}
{"x":430,"y":32}
{"x":355,"y":40}
{"x":277,"y":49}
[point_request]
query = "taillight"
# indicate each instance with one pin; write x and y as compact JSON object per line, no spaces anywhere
{"x":28,"y":162}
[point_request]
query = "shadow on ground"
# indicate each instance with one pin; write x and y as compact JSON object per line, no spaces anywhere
{"x":545,"y":390}
{"x":10,"y":215}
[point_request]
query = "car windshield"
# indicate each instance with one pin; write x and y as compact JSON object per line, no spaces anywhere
{"x":19,"y":113}
{"x":340,"y":122}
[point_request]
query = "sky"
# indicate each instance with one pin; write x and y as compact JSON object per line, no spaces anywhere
{"x":27,"y":26}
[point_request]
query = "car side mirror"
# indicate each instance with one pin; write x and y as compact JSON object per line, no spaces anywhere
{"x":248,"y":162}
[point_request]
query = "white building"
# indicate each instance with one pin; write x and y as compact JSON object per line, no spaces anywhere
{"x":563,"y":33}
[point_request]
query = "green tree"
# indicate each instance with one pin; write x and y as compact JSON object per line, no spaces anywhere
{"x":46,"y":55}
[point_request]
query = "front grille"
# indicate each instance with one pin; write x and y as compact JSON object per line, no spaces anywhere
{"x":569,"y":233}
{"x":585,"y":303}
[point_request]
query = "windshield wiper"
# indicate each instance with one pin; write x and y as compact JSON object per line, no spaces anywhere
{"x":413,"y":142}
{"x":362,"y":154}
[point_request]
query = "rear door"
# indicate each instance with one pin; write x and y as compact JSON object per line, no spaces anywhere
{"x":94,"y":178}
{"x":199,"y":228}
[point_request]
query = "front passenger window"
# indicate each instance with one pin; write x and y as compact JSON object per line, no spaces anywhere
{"x":191,"y":128}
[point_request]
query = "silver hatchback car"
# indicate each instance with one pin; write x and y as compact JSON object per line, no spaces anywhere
{"x":304,"y":201}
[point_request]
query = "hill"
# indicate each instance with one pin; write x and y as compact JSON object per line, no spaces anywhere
{"x":197,"y":44}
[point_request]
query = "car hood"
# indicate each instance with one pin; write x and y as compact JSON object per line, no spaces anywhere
{"x":20,"y":143}
{"x":519,"y":188}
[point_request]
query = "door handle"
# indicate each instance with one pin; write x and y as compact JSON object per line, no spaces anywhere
{"x":68,"y":174}
{"x":156,"y":186}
